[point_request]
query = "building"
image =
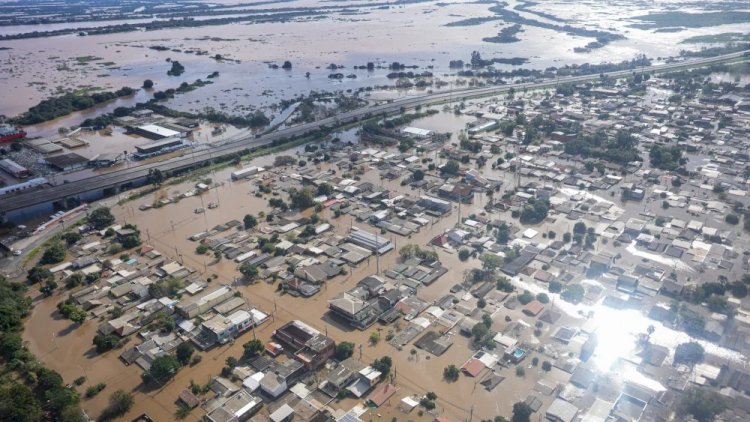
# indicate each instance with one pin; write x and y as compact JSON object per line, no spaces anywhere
{"x":434,"y":205}
{"x":106,"y":160}
{"x":308,"y":345}
{"x":416,"y":132}
{"x":373,"y":242}
{"x":154,"y":132}
{"x":459,"y":192}
{"x":224,"y":328}
{"x":246,"y":172}
{"x":195,"y":306}
{"x":237,"y":408}
{"x":356,"y":311}
{"x":561,"y":411}
{"x":14,"y":169}
{"x":157,"y":148}
{"x":67,"y":162}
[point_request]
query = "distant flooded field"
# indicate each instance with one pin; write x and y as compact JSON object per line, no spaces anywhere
{"x":426,"y":35}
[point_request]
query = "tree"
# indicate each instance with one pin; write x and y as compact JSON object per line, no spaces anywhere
{"x":525,"y":297}
{"x":163,"y":369}
{"x":101,"y":218}
{"x":105,"y":342}
{"x":718,"y":303}
{"x":491,"y":262}
{"x":48,"y":287}
{"x":450,"y":168}
{"x":248,"y":270}
{"x":148,"y":84}
{"x":535,"y":211}
{"x":479,"y":330}
{"x":383,"y":365}
{"x":54,"y":253}
{"x":665,"y":157}
{"x":546,"y":366}
{"x":520,"y":371}
{"x":120,"y":403}
{"x":14,"y":305}
{"x":503,"y":284}
{"x":73,"y":413}
{"x":184,"y":352}
{"x":573,"y":293}
{"x":417,"y":175}
{"x":301,"y":199}
{"x":129,"y":242}
{"x":579,"y":228}
{"x":702,"y":404}
{"x":450,"y":373}
{"x":464,"y":254}
{"x":59,"y":398}
{"x":253,"y":348}
{"x":344,"y":350}
{"x":503,"y":234}
{"x":481,"y":303}
{"x":554,"y":286}
{"x":10,"y":344}
{"x":325,"y":189}
{"x":287,"y":65}
{"x":249,"y":221}
{"x":71,"y":238}
{"x":201,"y":249}
{"x":732,"y":219}
{"x":689,"y":353}
{"x":17,"y":403}
{"x":39,"y":274}
{"x":487,"y":320}
{"x":542,"y":297}
{"x":155,"y":177}
{"x":72,"y":312}
{"x":521,"y":412}
{"x":739,"y":289}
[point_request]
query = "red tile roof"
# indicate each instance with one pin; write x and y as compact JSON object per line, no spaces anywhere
{"x":472,"y":367}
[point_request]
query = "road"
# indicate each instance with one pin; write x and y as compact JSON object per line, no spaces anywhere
{"x":23,"y":200}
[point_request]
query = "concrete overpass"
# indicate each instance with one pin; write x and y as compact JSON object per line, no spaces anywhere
{"x":13,"y":207}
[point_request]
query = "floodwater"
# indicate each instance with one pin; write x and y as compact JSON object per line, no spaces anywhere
{"x":414,"y":34}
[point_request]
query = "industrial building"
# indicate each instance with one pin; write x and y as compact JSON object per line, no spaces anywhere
{"x":67,"y":162}
{"x":157,"y":148}
{"x":154,"y":132}
{"x":246,"y":172}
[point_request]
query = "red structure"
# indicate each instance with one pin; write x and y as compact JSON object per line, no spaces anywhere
{"x":9,"y":133}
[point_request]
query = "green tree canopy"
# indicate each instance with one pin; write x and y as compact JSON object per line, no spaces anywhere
{"x":344,"y":350}
{"x":54,"y":253}
{"x":101,"y":218}
{"x":253,"y":347}
{"x":162,"y":369}
{"x":521,"y":412}
{"x":703,"y":405}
